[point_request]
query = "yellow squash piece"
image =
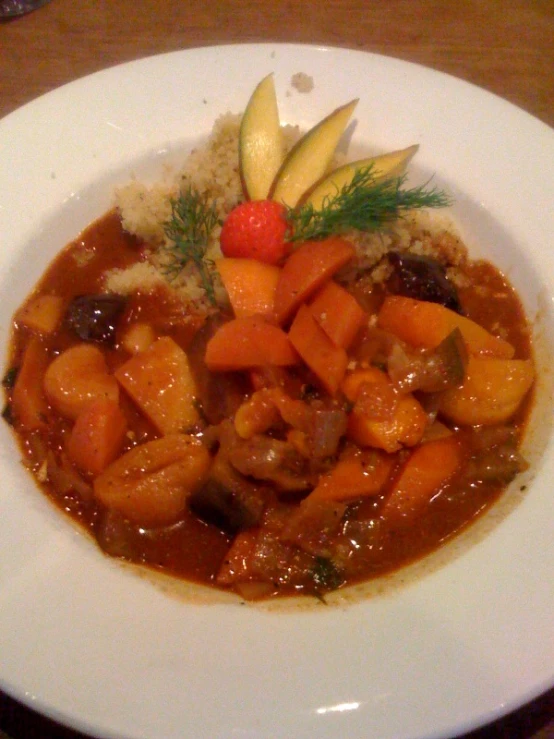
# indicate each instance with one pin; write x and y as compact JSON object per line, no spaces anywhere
{"x":76,"y":377}
{"x":261,"y":145}
{"x":391,"y":164}
{"x":310,"y":158}
{"x":160,"y":382}
{"x":150,"y":484}
{"x":491,"y":393}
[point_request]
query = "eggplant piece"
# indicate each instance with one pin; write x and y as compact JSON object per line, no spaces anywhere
{"x":272,"y":461}
{"x":329,"y":426}
{"x":115,"y":535}
{"x":495,"y":456}
{"x":314,"y":525}
{"x":94,"y":317}
{"x":496,"y":466}
{"x":228,"y":500}
{"x":422,"y":278}
{"x":431,"y":371}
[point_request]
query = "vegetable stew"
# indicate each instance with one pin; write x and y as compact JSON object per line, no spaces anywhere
{"x":314,"y":432}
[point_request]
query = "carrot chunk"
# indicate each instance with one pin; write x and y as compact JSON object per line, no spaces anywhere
{"x":426,"y":471}
{"x":160,"y":382}
{"x":250,"y":285}
{"x":327,"y":361}
{"x":354,"y":477}
{"x":423,"y":324}
{"x":97,"y":436}
{"x":28,"y":400}
{"x":338,"y":313}
{"x":248,"y":342}
{"x":237,"y":562}
{"x":306,"y":270}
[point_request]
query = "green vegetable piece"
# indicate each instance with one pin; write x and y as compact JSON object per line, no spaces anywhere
{"x":432,"y":371}
{"x":452,"y":357}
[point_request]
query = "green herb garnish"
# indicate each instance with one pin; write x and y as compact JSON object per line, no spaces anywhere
{"x":326,"y":576}
{"x":364,"y":204}
{"x":189,"y":228}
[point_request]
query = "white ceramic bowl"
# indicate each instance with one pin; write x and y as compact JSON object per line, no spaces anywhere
{"x":438,"y":649}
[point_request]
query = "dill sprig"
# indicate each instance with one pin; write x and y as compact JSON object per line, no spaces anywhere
{"x":192,"y":221}
{"x":364,"y":204}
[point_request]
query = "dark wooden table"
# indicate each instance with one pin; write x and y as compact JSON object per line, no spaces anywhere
{"x":504,"y":46}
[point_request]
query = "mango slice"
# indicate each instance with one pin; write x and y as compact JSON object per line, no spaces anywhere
{"x":391,"y":164}
{"x":310,"y":158}
{"x":261,"y":145}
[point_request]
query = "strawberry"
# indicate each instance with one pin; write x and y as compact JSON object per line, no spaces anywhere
{"x":256,"y":229}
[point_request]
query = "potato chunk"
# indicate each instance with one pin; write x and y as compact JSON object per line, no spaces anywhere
{"x":160,"y":382}
{"x":151,"y":483}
